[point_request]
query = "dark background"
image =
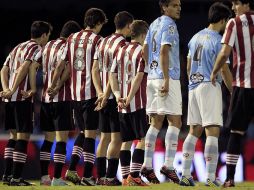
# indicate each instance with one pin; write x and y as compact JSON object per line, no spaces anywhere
{"x":16,"y":17}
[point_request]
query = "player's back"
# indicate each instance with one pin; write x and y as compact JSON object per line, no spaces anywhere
{"x":79,"y":52}
{"x":203,"y":51}
{"x":129,"y":62}
{"x":163,"y":31}
{"x":22,"y":52}
{"x":50,"y":56}
{"x":106,"y":52}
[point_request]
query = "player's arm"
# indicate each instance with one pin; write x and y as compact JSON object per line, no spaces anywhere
{"x":57,"y":73}
{"x":4,"y":78}
{"x":164,"y":63}
{"x":22,"y":72}
{"x":220,"y":61}
{"x":134,"y":87}
{"x":114,"y":85}
{"x":64,"y":77}
{"x":96,"y":77}
{"x":145,"y":53}
{"x":32,"y":80}
{"x":188,"y":64}
{"x":227,"y":76}
{"x":108,"y":91}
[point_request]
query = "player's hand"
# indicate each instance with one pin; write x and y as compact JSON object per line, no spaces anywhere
{"x":213,"y":79}
{"x":121,"y":103}
{"x":127,"y":102}
{"x":53,"y":91}
{"x":101,"y":104}
{"x":50,"y":89}
{"x":99,"y":99}
{"x":165,"y":87}
{"x":28,"y":94}
{"x":7,"y":94}
{"x":3,"y":92}
{"x":104,"y":102}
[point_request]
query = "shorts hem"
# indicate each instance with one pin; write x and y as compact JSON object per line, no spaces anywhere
{"x":162,"y":113}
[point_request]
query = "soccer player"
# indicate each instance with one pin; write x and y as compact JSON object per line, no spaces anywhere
{"x":161,"y":52}
{"x":79,"y":53}
{"x":14,"y":78}
{"x":56,"y":112}
{"x":128,"y":80}
{"x":238,"y":37}
{"x":110,"y":141}
{"x":205,"y":100}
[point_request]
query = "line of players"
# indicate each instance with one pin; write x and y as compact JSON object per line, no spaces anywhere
{"x":118,"y":82}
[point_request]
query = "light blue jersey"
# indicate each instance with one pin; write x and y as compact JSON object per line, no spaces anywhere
{"x":204,"y":48}
{"x":163,"y":31}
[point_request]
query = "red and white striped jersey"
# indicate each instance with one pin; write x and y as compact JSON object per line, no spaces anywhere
{"x":48,"y":58}
{"x":25,"y":51}
{"x":105,"y":54}
{"x":127,"y":63}
{"x":79,"y":52}
{"x":239,"y":34}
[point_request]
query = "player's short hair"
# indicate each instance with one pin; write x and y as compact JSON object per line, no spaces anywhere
{"x":138,"y":27}
{"x":69,"y":28}
{"x":40,"y":27}
{"x":122,"y":19}
{"x":251,"y":3}
{"x":94,"y":16}
{"x":163,"y":3}
{"x":217,"y":12}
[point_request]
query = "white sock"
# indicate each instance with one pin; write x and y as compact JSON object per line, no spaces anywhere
{"x":150,"y":140}
{"x":171,"y":142}
{"x":188,"y":154}
{"x":211,"y":156}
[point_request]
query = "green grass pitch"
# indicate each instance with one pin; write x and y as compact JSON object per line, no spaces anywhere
{"x":163,"y":186}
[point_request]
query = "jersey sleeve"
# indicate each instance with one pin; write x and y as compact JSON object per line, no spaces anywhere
{"x":147,"y":39}
{"x":168,"y":35}
{"x":38,"y":57}
{"x":64,"y":55}
{"x":114,"y":67}
{"x":141,"y":64}
{"x":31,"y":52}
{"x":229,"y":35}
{"x":7,"y":61}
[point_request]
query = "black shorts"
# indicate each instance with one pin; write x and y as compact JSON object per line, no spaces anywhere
{"x":133,"y":126}
{"x":18,"y":115}
{"x":85,"y":116}
{"x":241,"y":109}
{"x":56,"y":116}
{"x":108,"y":118}
{"x":2,"y":113}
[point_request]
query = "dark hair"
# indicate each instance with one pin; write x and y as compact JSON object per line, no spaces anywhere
{"x":251,"y":3}
{"x":40,"y":27}
{"x":122,"y":19}
{"x":217,"y":12}
{"x":138,"y":27}
{"x":163,"y":3}
{"x":94,"y":16}
{"x":69,"y":28}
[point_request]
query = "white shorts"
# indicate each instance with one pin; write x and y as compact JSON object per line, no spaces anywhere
{"x":205,"y":105}
{"x":171,"y":104}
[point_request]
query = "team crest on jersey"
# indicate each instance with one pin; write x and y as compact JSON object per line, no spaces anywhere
{"x":154,"y":65}
{"x":196,"y":78}
{"x":171,"y":30}
{"x":79,"y":63}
